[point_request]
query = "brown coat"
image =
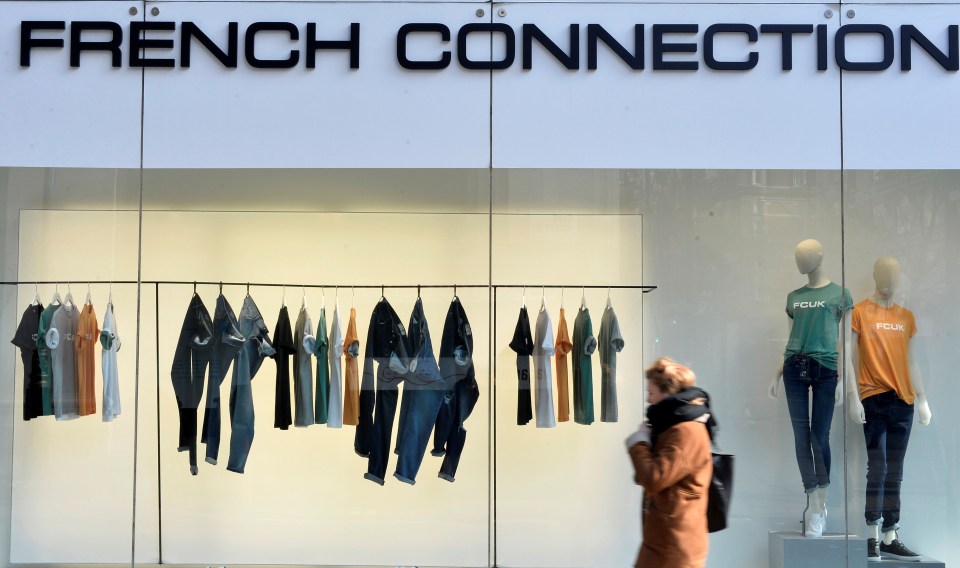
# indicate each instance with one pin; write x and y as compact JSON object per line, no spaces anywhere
{"x":675,"y":476}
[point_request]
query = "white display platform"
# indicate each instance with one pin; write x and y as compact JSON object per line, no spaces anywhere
{"x":793,"y":550}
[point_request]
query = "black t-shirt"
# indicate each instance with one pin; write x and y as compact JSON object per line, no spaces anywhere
{"x":283,"y":343}
{"x":26,"y":340}
{"x":522,"y":344}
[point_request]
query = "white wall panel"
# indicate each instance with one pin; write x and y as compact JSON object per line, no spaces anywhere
{"x":55,"y":115}
{"x":897,"y":119}
{"x":378,"y":115}
{"x":614,"y":116}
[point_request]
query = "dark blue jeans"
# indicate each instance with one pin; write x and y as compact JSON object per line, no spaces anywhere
{"x":886,"y":433}
{"x":804,"y":378}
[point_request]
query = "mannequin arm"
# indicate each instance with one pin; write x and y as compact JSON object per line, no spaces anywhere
{"x":775,"y":383}
{"x":923,"y":408}
{"x":854,"y":406}
{"x":846,"y":365}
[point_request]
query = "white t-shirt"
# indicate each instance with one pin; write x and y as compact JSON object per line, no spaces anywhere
{"x":335,"y":354}
{"x":543,"y":348}
{"x":62,"y":340}
{"x":110,"y":342}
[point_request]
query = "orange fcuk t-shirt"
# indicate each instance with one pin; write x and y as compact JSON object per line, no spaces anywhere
{"x":883,"y":346}
{"x":88,"y":336}
{"x":351,"y":395}
{"x":563,"y":346}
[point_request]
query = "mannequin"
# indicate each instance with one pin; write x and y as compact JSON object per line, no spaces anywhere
{"x":888,"y":389}
{"x":816,"y":313}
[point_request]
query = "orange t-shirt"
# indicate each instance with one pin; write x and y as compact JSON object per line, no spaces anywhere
{"x":884,"y":349}
{"x":88,"y":336}
{"x":351,"y":395}
{"x":563,"y":346}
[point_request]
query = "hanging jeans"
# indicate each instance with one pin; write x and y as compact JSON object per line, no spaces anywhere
{"x":225,"y":345}
{"x":420,"y":402}
{"x":256,"y":347}
{"x":886,"y":432}
{"x":803,"y":378}
{"x":461,"y":390}
{"x":190,"y":361}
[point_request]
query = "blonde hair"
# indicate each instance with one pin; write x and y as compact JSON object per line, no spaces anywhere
{"x":669,"y":376}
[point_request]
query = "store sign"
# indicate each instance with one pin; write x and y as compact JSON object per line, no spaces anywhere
{"x":674,"y":47}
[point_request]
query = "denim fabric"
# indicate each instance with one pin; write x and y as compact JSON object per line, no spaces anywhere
{"x":387,"y":349}
{"x":461,"y":391}
{"x":420,"y":402}
{"x":256,"y":346}
{"x":802,"y":377}
{"x":225,"y":345}
{"x":190,"y":360}
{"x":886,"y":432}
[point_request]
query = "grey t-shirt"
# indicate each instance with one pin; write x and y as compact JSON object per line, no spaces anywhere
{"x":609,"y":343}
{"x":543,"y":348}
{"x":62,"y":340}
{"x":303,"y":370}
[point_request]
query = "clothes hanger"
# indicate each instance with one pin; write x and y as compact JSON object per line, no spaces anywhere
{"x":36,"y":295}
{"x":248,"y":289}
{"x":609,"y":304}
{"x":323,"y":298}
{"x":110,"y":295}
{"x":583,"y":298}
{"x":523,"y":298}
{"x":454,"y":291}
{"x":561,"y":297}
{"x":418,"y":291}
{"x":303,"y":301}
{"x":55,"y":299}
{"x":88,"y":300}
{"x":353,"y":298}
{"x":68,"y":299}
{"x":543,"y":298}
{"x":283,"y":299}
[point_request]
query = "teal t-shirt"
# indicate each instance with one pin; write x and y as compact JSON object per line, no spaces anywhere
{"x":816,"y":315}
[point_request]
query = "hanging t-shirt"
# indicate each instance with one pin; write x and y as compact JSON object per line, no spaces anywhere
{"x":562,"y":347}
{"x":303,"y":372}
{"x":522,"y":344}
{"x":609,"y":343}
{"x":884,"y":348}
{"x":283,"y":343}
{"x":322,"y":402}
{"x":26,"y":339}
{"x":584,"y":344}
{"x":335,"y":409}
{"x":543,"y":348}
{"x":110,"y":342}
{"x":351,"y":351}
{"x":88,"y":336}
{"x":816,"y":315}
{"x":46,"y":358}
{"x":62,"y":340}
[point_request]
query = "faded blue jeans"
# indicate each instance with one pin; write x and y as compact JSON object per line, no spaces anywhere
{"x":805,"y":379}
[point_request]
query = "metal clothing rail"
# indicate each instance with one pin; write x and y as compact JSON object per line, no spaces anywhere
{"x":645,"y":288}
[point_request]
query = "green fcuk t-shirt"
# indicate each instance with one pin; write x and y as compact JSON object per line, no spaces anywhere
{"x":816,"y":315}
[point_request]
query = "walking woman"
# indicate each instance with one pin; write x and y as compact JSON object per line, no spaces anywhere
{"x":672,"y":461}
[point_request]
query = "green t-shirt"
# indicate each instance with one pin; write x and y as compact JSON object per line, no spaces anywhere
{"x":816,"y":315}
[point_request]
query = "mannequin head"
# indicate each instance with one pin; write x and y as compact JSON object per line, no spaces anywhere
{"x":886,"y":274}
{"x":809,"y":256}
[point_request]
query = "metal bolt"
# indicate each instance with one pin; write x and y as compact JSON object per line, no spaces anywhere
{"x":480,"y":12}
{"x":133,"y":10}
{"x":502,"y":12}
{"x":155,"y":11}
{"x":828,"y":14}
{"x":851,"y":14}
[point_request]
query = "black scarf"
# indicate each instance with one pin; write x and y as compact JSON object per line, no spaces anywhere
{"x":679,"y":408}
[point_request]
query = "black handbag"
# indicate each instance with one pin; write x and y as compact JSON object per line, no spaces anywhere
{"x":721,"y":491}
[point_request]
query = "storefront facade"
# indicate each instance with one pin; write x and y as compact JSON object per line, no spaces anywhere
{"x":663,"y":159}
